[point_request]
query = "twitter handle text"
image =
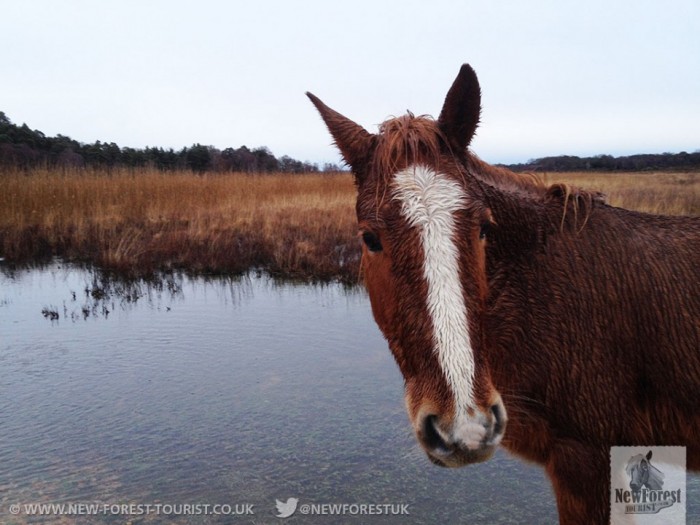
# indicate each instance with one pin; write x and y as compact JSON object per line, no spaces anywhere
{"x":355,"y":509}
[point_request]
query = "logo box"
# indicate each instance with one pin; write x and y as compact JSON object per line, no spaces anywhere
{"x":647,"y":485}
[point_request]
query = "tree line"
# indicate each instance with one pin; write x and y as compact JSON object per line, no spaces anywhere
{"x":641,"y":162}
{"x":25,"y":148}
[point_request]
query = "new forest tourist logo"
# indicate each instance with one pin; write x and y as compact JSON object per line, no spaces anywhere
{"x":647,"y":485}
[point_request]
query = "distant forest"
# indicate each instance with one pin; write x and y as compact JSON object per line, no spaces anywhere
{"x":642,"y":162}
{"x":24,"y":148}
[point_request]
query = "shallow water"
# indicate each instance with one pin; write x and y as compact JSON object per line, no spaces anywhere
{"x":219,"y":392}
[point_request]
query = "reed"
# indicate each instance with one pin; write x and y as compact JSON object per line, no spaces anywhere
{"x":140,"y":222}
{"x":295,"y":226}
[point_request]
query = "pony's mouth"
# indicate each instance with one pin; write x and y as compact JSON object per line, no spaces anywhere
{"x":461,"y":457}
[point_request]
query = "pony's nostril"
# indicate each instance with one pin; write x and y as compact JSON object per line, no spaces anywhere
{"x":431,"y":437}
{"x":499,"y":418}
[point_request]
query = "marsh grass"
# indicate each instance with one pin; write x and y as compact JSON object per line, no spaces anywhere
{"x":295,"y":226}
{"x":139,"y":222}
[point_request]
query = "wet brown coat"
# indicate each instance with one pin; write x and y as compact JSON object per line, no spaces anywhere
{"x":584,"y":317}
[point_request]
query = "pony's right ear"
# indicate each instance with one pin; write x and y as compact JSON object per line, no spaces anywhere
{"x":353,"y":141}
{"x":460,"y":113}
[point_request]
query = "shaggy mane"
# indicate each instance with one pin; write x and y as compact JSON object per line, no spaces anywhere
{"x":408,"y":139}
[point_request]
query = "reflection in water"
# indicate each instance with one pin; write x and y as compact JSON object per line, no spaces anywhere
{"x":102,"y":294}
{"x":219,"y":391}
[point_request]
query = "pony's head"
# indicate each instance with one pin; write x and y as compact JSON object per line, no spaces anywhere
{"x":424,"y":226}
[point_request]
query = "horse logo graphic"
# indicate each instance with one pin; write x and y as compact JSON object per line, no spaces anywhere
{"x":643,"y":474}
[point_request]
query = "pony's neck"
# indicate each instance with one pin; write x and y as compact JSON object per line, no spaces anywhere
{"x":503,"y":178}
{"x":518,"y":223}
{"x":526,"y":211}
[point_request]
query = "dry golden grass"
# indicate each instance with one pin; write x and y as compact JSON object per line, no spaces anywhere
{"x":289,"y":225}
{"x":138,"y":222}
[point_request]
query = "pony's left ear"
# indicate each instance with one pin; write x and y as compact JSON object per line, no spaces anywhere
{"x":353,"y":141}
{"x":460,"y":112}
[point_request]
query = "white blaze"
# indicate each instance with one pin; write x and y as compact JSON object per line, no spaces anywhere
{"x":429,"y":201}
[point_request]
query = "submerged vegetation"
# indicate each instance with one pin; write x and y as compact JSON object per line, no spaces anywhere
{"x":104,"y":293}
{"x":294,"y":226}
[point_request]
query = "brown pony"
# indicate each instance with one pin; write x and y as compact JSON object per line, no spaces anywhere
{"x":498,"y":295}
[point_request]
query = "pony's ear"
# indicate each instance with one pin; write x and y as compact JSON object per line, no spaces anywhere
{"x":353,"y":141}
{"x":460,"y":112}
{"x":649,"y":455}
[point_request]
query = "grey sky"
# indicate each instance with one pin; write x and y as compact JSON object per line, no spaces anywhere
{"x":557,"y":77}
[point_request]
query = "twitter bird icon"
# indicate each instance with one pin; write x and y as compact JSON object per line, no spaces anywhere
{"x":284,"y":510}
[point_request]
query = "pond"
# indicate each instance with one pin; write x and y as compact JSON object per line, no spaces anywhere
{"x":179,"y":400}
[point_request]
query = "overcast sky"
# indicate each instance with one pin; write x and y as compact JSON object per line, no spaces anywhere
{"x":557,"y":77}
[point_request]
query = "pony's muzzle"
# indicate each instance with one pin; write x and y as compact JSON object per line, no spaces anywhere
{"x":467,"y":439}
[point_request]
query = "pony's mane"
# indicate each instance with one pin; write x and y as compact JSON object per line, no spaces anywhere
{"x":408,"y":139}
{"x":577,"y":203}
{"x":504,"y":178}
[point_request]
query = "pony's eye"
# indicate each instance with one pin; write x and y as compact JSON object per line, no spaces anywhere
{"x":372,"y":241}
{"x":485,"y":229}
